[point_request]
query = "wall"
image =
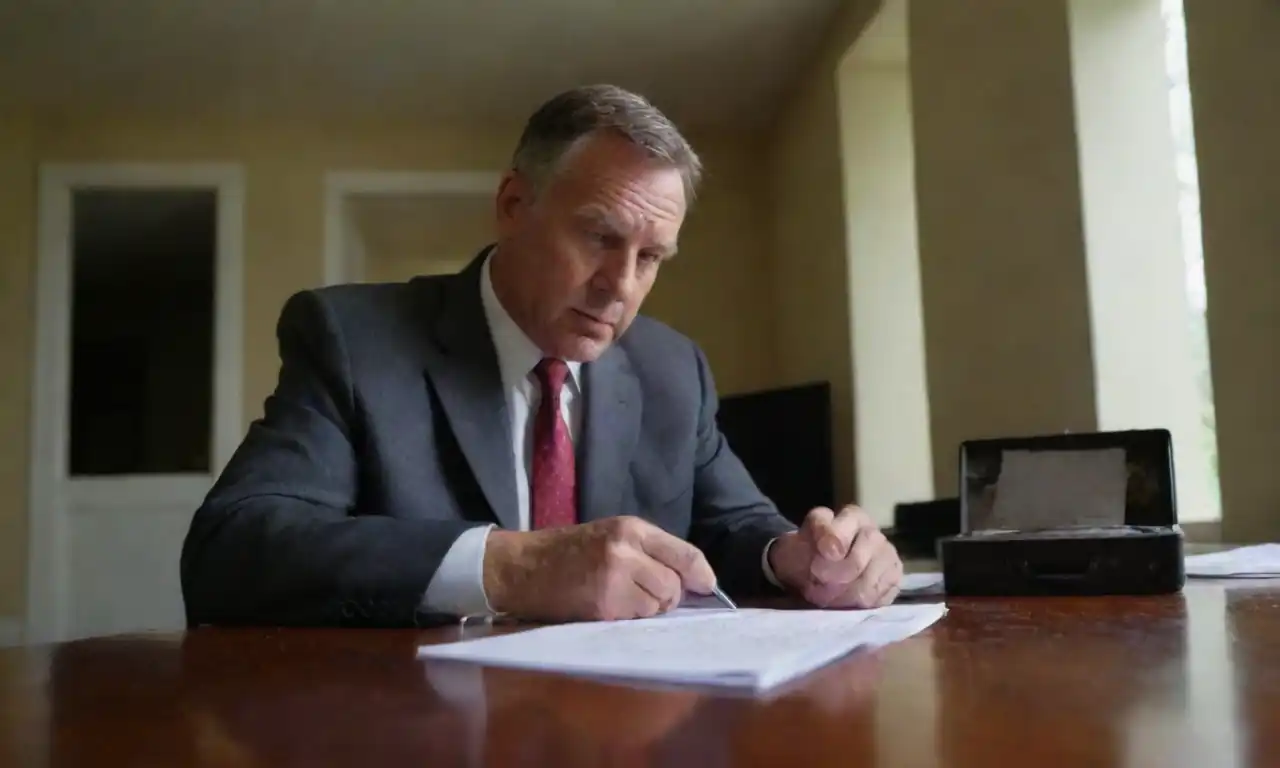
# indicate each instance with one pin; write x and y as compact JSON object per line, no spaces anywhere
{"x":1001,"y":238}
{"x":1234,"y":66}
{"x":406,"y":235}
{"x":1145,"y":367}
{"x":717,"y":290}
{"x":894,"y":460}
{"x":17,"y":340}
{"x":809,"y":268}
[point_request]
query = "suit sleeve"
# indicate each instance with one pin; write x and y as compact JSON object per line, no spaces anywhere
{"x":281,"y":538}
{"x":733,"y":521}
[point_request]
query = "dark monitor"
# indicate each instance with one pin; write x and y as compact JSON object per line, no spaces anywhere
{"x":783,"y":436}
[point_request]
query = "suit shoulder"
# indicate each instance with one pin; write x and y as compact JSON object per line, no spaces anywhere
{"x":362,"y":303}
{"x":364,"y":297}
{"x":654,"y":336}
{"x":656,"y":346}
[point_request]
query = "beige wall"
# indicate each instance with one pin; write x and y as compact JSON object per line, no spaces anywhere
{"x":809,"y":270}
{"x":17,"y":339}
{"x":1143,"y":329}
{"x":1001,"y":240}
{"x":403,"y":236}
{"x":1004,"y":257}
{"x":714,"y":291}
{"x":890,"y":384}
{"x":1234,"y":62}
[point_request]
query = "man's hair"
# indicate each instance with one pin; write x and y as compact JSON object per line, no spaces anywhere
{"x":560,"y":123}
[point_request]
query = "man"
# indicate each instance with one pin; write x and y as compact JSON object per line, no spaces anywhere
{"x":513,"y":439}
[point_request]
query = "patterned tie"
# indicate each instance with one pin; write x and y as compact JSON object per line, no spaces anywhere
{"x":552,"y":492}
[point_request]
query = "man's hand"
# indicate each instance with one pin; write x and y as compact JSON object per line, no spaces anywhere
{"x":838,"y":560}
{"x":616,"y":568}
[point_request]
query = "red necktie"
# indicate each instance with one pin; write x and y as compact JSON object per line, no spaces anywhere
{"x":552,"y":488}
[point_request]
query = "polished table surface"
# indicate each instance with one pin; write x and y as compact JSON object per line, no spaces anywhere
{"x":1185,"y":680}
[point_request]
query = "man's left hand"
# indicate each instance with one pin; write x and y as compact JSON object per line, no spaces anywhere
{"x":838,"y":560}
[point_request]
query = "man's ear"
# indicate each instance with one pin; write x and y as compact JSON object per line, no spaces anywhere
{"x":515,"y":194}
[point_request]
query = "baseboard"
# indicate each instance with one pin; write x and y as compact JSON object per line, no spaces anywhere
{"x":10,"y":631}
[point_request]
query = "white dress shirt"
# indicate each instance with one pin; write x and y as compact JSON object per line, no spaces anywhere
{"x":458,"y":585}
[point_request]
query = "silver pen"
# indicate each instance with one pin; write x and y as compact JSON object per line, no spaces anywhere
{"x":719,"y":594}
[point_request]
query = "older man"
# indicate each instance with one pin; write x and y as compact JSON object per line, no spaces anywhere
{"x":514,"y":438}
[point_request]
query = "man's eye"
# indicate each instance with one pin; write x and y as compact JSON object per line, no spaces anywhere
{"x":609,"y":241}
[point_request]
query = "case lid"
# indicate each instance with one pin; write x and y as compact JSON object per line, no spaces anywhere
{"x":1084,"y":480}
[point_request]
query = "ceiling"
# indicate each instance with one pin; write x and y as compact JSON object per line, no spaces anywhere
{"x":710,"y":63}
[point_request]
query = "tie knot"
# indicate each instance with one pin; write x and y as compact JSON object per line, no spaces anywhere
{"x":551,"y":373}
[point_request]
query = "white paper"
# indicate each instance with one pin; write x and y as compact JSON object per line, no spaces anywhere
{"x":916,"y":584}
{"x":1257,"y":561}
{"x":748,"y":648}
{"x":1053,"y":489}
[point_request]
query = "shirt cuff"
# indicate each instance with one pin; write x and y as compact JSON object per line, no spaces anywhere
{"x":769,"y":575}
{"x":457,"y":588}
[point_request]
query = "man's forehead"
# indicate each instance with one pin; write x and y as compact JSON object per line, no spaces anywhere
{"x":628,"y":221}
{"x":625,"y":218}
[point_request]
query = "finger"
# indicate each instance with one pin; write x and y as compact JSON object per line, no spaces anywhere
{"x":833,"y":534}
{"x":868,"y":588}
{"x":816,"y":525}
{"x":639,"y":604}
{"x":878,"y":584}
{"x":867,"y":542}
{"x":680,"y":556}
{"x":623,"y":598}
{"x":659,"y":582}
{"x":889,"y":583}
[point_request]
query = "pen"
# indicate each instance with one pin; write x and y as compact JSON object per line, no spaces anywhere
{"x":722,"y":597}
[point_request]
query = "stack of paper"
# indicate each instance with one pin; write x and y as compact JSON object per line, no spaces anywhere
{"x":749,"y":648}
{"x":917,"y":584}
{"x":1255,"y":562}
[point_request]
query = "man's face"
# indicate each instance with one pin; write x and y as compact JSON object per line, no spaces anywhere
{"x":576,"y":260}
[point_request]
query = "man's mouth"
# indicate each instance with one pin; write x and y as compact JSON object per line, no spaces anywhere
{"x":593,"y":318}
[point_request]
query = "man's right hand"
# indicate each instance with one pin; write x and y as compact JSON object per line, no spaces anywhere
{"x":615,"y":568}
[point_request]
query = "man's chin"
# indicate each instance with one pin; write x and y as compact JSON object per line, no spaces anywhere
{"x":584,"y":349}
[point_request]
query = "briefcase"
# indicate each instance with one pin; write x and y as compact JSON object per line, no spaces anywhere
{"x":1070,"y":514}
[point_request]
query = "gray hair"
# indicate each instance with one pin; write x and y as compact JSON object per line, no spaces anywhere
{"x":560,"y":123}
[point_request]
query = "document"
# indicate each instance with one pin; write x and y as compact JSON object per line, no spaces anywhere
{"x":917,"y":584}
{"x":750,"y":648}
{"x":1258,"y":562}
{"x":1052,"y":489}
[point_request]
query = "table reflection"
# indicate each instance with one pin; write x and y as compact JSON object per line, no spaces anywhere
{"x":1051,"y":681}
{"x":1184,"y":680}
{"x":832,"y":712}
{"x":1253,"y":625}
{"x":513,"y":717}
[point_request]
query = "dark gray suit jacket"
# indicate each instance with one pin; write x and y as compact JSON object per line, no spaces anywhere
{"x":387,"y":436}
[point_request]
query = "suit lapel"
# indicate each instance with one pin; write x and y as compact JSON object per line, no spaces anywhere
{"x":462,"y":369}
{"x":611,"y":425}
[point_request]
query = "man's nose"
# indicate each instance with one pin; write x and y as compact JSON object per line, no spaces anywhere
{"x":617,"y":272}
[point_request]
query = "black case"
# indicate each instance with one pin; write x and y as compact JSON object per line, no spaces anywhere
{"x":1143,"y":554}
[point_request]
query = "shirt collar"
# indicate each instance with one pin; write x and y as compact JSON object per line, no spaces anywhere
{"x":517,"y":354}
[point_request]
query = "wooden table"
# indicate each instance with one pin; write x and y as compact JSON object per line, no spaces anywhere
{"x":1189,"y":680}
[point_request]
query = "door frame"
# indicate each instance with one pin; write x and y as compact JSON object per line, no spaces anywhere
{"x":342,"y":264}
{"x":49,"y":497}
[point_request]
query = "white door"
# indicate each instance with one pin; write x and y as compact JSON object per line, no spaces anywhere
{"x":393,"y":225}
{"x":137,"y":388}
